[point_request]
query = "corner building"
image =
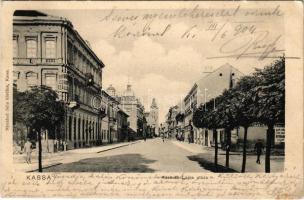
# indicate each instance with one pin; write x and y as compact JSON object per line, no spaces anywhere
{"x":47,"y":50}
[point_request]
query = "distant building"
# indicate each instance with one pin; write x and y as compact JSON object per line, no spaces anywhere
{"x":122,"y":125}
{"x":109,"y":122}
{"x":152,"y":118}
{"x":47,"y":50}
{"x":133,"y":107}
{"x":111,"y":91}
{"x":171,"y":121}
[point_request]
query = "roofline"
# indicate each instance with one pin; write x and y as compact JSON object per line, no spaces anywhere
{"x":34,"y":20}
{"x":122,"y":111}
{"x":218,"y":69}
{"x":191,"y":90}
{"x":109,"y":96}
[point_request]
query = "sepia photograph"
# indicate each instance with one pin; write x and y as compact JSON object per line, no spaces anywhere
{"x":145,"y":94}
{"x":181,"y":99}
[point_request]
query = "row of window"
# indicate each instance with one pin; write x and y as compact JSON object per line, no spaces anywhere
{"x":83,"y":94}
{"x":82,"y":63}
{"x":50,"y":47}
{"x":31,"y":45}
{"x":49,"y":79}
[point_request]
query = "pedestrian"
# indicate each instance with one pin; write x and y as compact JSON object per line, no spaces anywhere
{"x":28,"y":150}
{"x":163,"y":137}
{"x":258,"y":148}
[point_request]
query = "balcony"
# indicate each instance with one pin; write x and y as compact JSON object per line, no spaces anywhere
{"x":37,"y":61}
{"x":112,"y":119}
{"x":102,"y":112}
{"x":74,"y":103}
{"x":89,"y":79}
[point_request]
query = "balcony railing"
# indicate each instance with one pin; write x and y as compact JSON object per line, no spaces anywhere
{"x":112,"y":119}
{"x":74,"y":102}
{"x":35,"y":61}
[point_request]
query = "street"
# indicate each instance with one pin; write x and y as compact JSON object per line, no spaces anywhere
{"x":154,"y":155}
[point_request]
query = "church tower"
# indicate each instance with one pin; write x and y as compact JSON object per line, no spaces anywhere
{"x":154,"y":115}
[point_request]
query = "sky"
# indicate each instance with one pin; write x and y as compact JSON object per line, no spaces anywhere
{"x":165,"y":63}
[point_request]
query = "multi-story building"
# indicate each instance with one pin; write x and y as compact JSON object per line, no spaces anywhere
{"x":171,"y":121}
{"x":205,"y":89}
{"x":133,"y":107}
{"x":109,"y":122}
{"x":122,"y":125}
{"x":49,"y":51}
{"x":180,"y":119}
{"x":152,"y":118}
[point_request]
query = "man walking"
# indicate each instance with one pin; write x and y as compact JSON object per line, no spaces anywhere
{"x":259,"y":148}
{"x":163,"y":137}
{"x":28,"y":150}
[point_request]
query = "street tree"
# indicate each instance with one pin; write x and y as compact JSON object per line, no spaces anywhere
{"x":243,"y":98}
{"x":206,"y":116}
{"x":39,"y":109}
{"x":226,"y":119}
{"x":270,"y":108}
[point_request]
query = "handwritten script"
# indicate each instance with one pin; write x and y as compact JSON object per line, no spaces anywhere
{"x":236,"y":32}
{"x":155,"y":185}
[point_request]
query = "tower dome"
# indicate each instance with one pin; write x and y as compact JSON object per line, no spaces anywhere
{"x":111,"y":90}
{"x":129,"y":92}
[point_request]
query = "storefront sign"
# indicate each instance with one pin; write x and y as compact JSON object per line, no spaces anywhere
{"x":279,"y":134}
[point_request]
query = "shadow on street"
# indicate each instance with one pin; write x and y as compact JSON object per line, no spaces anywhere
{"x":118,"y":163}
{"x":206,"y":164}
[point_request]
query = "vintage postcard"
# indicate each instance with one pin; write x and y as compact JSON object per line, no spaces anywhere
{"x":139,"y":99}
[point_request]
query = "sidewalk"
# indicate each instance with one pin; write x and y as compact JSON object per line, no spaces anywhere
{"x":205,"y":157}
{"x":52,"y":159}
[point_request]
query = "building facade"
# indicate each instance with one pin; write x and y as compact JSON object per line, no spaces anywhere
{"x":152,"y":118}
{"x":109,"y":133}
{"x":133,"y":107}
{"x":205,"y":89}
{"x":47,"y":50}
{"x":122,"y":125}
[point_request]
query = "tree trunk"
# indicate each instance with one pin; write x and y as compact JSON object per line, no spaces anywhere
{"x":39,"y":151}
{"x":244,"y":149}
{"x":228,"y":134}
{"x":215,"y":148}
{"x":270,"y":132}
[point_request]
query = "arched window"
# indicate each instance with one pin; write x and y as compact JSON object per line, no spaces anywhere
{"x":70,"y":128}
{"x":74,"y":129}
{"x":79,"y":122}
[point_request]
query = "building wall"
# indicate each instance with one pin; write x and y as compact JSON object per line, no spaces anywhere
{"x":237,"y":135}
{"x":131,"y":110}
{"x":63,"y":68}
{"x":216,"y":82}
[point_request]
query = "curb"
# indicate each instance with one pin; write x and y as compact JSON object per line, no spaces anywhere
{"x":59,"y":163}
{"x":117,"y":147}
{"x":45,"y":167}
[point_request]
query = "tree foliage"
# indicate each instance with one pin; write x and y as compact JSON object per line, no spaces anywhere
{"x":259,"y":97}
{"x":38,"y":108}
